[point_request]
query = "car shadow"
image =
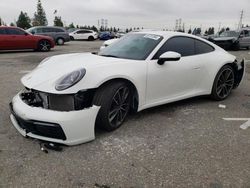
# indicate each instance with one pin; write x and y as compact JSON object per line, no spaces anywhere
{"x":167,"y":109}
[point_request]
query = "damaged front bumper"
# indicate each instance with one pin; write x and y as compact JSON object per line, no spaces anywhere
{"x":64,"y":127}
{"x":239,"y":68}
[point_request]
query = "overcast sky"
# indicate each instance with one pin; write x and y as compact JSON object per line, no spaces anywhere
{"x":159,"y":14}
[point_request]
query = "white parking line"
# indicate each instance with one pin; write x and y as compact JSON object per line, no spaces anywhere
{"x":244,"y":126}
{"x":24,"y":71}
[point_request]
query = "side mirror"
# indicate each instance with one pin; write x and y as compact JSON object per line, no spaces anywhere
{"x":32,"y":32}
{"x":169,"y":56}
{"x":26,"y":34}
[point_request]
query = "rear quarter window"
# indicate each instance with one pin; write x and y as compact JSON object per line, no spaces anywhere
{"x":202,"y":47}
{"x":58,"y":30}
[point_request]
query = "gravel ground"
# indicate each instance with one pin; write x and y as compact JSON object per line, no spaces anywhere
{"x":183,"y":144}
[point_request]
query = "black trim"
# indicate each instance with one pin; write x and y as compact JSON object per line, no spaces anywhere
{"x":46,"y":129}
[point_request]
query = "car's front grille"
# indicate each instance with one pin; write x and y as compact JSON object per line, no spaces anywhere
{"x":58,"y":102}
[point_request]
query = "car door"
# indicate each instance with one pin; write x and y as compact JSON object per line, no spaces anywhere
{"x":245,"y":38}
{"x":16,"y":38}
{"x":174,"y":79}
{"x":80,"y":35}
{"x":19,"y":39}
{"x":3,"y":39}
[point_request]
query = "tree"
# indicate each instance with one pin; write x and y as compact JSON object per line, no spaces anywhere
{"x":40,"y":16}
{"x":58,"y":21}
{"x":94,"y":28}
{"x":221,"y":31}
{"x":12,"y":24}
{"x":23,"y":21}
{"x":189,"y":31}
{"x":72,"y":25}
{"x":210,"y":31}
{"x":227,"y":29}
{"x":1,"y":21}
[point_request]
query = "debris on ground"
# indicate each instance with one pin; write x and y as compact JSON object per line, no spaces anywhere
{"x":222,"y":106}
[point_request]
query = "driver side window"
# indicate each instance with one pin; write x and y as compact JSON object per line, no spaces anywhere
{"x":182,"y":45}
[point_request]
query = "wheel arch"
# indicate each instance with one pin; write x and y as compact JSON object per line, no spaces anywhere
{"x":234,"y":66}
{"x":135,"y":97}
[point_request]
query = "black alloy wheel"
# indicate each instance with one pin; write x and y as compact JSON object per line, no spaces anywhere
{"x":224,"y":83}
{"x":119,"y":106}
{"x":114,"y":100}
{"x":44,"y":46}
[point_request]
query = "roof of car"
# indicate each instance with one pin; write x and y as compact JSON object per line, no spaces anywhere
{"x":167,"y":34}
{"x":3,"y":26}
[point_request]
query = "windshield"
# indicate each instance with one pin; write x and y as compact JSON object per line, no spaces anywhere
{"x":229,"y":34}
{"x":132,"y":46}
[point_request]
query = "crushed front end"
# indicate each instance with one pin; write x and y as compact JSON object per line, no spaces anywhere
{"x":67,"y":119}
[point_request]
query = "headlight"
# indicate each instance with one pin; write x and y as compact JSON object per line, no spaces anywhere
{"x":70,"y":79}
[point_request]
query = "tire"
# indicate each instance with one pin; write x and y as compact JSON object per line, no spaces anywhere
{"x":91,"y":38}
{"x":60,"y":41}
{"x":115,"y":102}
{"x":237,"y":46}
{"x":223,"y":83}
{"x":72,"y":38}
{"x":44,"y":46}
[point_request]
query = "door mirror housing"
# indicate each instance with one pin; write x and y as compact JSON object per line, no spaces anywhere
{"x":32,"y":32}
{"x":169,"y":56}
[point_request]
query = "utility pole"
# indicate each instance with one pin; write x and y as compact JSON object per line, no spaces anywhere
{"x":241,"y":19}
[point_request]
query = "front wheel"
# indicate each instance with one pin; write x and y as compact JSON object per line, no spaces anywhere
{"x":114,"y":99}
{"x":44,"y":46}
{"x":60,"y":41}
{"x":223,"y":83}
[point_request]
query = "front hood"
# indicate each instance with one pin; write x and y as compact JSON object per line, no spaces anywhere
{"x":224,"y":38}
{"x":47,"y":74}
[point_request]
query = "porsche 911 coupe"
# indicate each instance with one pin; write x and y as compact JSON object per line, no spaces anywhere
{"x":66,"y":96}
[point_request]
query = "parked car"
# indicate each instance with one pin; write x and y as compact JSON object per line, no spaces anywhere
{"x":233,"y":40}
{"x":59,"y":34}
{"x":83,"y":34}
{"x":120,"y":34}
{"x":108,"y":43}
{"x":14,"y":38}
{"x":106,"y":35}
{"x":66,"y":96}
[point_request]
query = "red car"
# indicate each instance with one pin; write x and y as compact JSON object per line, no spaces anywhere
{"x":14,"y":38}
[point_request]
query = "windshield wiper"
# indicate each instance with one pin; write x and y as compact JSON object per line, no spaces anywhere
{"x":110,"y":56}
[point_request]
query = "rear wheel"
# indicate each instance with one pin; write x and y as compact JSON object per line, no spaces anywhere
{"x":223,"y":83}
{"x":44,"y":46}
{"x":60,"y":41}
{"x":91,"y":38}
{"x":115,"y":100}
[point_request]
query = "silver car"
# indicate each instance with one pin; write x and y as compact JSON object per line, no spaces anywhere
{"x":233,"y":40}
{"x":59,"y":34}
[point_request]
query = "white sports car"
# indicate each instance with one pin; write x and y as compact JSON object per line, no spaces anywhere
{"x":66,"y":96}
